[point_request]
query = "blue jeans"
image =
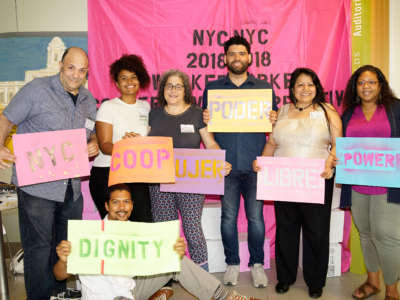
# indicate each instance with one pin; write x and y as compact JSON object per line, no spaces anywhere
{"x":242,"y":183}
{"x":43,"y":224}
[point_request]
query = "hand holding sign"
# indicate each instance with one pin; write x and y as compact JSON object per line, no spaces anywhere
{"x":93,"y":147}
{"x":63,"y":250}
{"x":180,"y":247}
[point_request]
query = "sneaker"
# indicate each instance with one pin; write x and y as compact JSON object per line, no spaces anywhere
{"x":260,"y":280}
{"x":231,"y":275}
{"x":164,"y":293}
{"x":68,"y":294}
{"x":236,"y":296}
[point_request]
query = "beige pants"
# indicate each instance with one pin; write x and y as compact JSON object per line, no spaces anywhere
{"x":191,"y":277}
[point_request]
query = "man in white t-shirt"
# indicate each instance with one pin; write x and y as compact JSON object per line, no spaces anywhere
{"x":105,"y":287}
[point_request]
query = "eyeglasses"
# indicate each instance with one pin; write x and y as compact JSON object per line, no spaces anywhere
{"x":178,"y":87}
{"x":370,"y":82}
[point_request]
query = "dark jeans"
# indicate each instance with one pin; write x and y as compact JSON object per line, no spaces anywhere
{"x":43,"y":224}
{"x":242,"y":183}
{"x":98,"y":185}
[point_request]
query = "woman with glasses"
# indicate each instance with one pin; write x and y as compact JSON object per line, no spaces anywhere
{"x":178,"y":117}
{"x":117,"y":118}
{"x":307,"y":127}
{"x":371,"y":110}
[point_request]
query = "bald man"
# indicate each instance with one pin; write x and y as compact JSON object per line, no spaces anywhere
{"x":58,"y":102}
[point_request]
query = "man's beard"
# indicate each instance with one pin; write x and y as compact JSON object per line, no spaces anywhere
{"x":240,"y":70}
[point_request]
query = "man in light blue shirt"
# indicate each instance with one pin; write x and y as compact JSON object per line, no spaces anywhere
{"x":58,"y":102}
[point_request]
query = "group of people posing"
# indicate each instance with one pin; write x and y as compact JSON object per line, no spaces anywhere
{"x":306,"y":127}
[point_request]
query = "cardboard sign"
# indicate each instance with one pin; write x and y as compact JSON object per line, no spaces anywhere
{"x":122,"y":248}
{"x":196,"y":169}
{"x":142,"y":159}
{"x":368,"y":161}
{"x":240,"y":110}
{"x":291,"y":179}
{"x":50,"y":156}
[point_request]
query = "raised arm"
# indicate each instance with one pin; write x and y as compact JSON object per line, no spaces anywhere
{"x":63,"y":250}
{"x":180,"y":247}
{"x":270,"y":146}
{"x":210,"y":143}
{"x":104,"y":133}
{"x":93,"y":146}
{"x":208,"y":139}
{"x":336,"y":131}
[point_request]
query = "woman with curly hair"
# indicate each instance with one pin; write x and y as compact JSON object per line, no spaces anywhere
{"x":118,"y":118}
{"x":371,"y":110}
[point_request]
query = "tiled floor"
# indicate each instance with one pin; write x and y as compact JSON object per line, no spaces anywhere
{"x":336,"y":288}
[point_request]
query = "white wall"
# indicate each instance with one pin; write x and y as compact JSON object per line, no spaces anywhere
{"x":394,"y":46}
{"x":43,"y":15}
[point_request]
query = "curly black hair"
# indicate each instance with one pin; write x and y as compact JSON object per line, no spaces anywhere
{"x":351,"y":98}
{"x":236,"y":40}
{"x":132,"y":63}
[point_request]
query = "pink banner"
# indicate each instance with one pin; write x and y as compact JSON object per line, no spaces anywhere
{"x":291,"y":179}
{"x":189,"y":35}
{"x":50,"y":156}
{"x":196,"y":169}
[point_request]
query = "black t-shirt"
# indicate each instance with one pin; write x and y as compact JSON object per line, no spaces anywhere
{"x":183,"y":128}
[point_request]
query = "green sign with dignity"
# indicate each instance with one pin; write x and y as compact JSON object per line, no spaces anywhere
{"x":122,"y":248}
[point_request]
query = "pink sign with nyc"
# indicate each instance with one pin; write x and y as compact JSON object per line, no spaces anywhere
{"x":50,"y":156}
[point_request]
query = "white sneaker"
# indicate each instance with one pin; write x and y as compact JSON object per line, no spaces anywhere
{"x":260,"y":280}
{"x":232,"y":275}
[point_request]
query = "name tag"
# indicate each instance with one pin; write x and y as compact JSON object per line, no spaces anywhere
{"x":143,"y":117}
{"x":317,"y":115}
{"x":89,"y":124}
{"x":187,"y":128}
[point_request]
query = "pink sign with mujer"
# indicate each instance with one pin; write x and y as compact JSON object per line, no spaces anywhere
{"x":291,"y":179}
{"x":198,"y":171}
{"x":50,"y":156}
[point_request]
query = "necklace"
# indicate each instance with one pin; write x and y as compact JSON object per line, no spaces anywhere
{"x":302,"y":108}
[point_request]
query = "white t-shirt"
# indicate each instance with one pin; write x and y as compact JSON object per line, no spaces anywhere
{"x":124,"y":118}
{"x":106,"y":287}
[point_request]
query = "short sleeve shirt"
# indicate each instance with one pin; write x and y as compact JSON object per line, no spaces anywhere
{"x":124,"y":118}
{"x":183,"y":128}
{"x":44,"y":105}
